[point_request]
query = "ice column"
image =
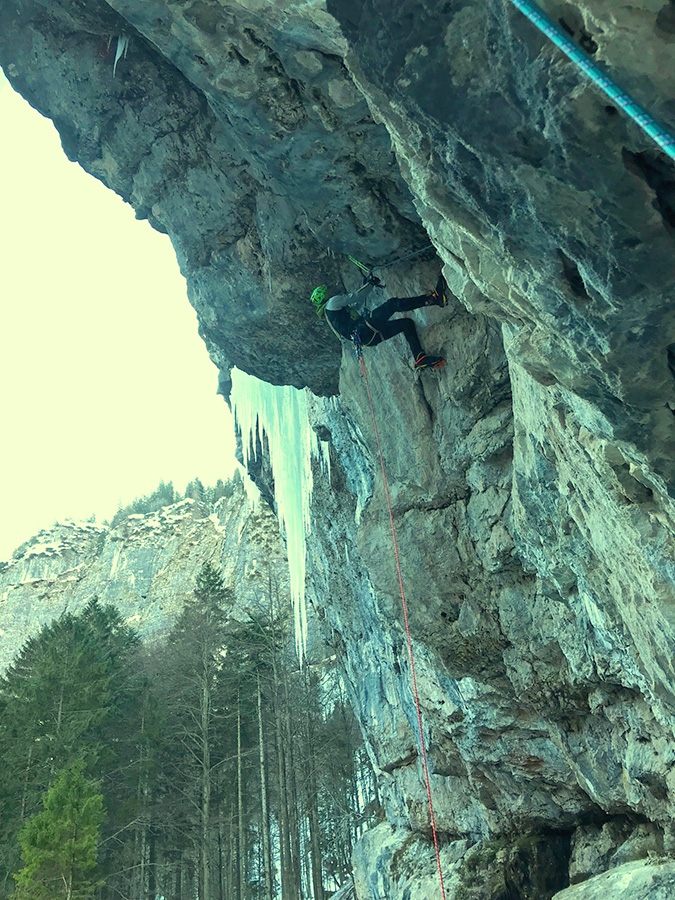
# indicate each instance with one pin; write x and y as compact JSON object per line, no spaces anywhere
{"x":281,"y":413}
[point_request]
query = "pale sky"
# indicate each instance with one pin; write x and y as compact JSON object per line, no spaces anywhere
{"x":105,"y":386}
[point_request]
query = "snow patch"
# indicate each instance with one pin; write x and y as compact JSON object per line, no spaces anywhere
{"x":51,"y":549}
{"x":280,"y":412}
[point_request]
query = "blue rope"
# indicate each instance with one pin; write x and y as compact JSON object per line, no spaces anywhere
{"x":650,"y":126}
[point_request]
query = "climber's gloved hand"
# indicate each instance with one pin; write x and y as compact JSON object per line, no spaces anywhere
{"x":373,"y":279}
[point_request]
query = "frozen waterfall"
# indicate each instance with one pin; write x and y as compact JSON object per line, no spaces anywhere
{"x":281,"y":414}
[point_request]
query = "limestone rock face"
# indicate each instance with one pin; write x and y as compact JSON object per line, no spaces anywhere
{"x":532,"y":479}
{"x":632,"y":881}
{"x":146,"y":566}
{"x":240,"y":134}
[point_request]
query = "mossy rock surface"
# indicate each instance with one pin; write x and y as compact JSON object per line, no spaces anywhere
{"x":533,"y":867}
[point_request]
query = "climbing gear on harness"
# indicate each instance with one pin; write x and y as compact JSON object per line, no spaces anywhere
{"x":638,"y":114}
{"x":424,"y":361}
{"x":357,"y":339}
{"x":358,"y":346}
{"x":319,"y":298}
{"x":439,"y":295}
{"x":406,"y":622}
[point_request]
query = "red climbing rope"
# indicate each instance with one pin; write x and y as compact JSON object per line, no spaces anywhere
{"x":423,"y":748}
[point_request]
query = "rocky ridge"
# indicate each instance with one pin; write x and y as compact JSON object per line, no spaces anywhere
{"x":146,"y":566}
{"x":532,"y":479}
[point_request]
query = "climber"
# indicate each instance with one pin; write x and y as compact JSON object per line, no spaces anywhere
{"x":348,"y":319}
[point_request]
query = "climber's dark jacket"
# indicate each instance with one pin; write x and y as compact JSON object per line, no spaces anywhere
{"x":346,"y":315}
{"x":344,"y":312}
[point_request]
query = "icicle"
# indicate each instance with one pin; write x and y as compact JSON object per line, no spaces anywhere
{"x":281,"y":413}
{"x":122,"y":48}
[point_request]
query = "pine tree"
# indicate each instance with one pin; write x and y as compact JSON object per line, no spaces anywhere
{"x":52,"y":695}
{"x":194,"y":742}
{"x":59,"y":844}
{"x":257,"y":664}
{"x":196,"y":491}
{"x":69,"y":696}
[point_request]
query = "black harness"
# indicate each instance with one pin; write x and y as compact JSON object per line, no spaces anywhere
{"x":345,"y":322}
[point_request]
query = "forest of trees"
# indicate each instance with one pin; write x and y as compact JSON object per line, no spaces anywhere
{"x":209,"y":766}
{"x":165,"y":494}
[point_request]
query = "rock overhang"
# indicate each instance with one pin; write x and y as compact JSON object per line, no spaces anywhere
{"x":267,"y":142}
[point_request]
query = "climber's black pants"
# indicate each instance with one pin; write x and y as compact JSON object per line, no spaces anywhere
{"x":381,"y":329}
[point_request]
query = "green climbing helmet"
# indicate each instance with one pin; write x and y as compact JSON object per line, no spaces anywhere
{"x":319,"y":298}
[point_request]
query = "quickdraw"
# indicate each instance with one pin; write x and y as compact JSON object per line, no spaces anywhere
{"x":359,"y":265}
{"x":357,"y":340}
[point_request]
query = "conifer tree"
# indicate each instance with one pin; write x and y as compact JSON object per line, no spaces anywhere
{"x":194,"y":745}
{"x":59,"y":844}
{"x":69,"y":696}
{"x":195,"y":490}
{"x":226,"y":771}
{"x":258,"y":662}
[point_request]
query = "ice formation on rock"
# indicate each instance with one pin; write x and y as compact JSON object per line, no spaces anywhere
{"x":280,"y":413}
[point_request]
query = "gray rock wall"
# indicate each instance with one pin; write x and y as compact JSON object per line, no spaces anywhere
{"x":532,"y":478}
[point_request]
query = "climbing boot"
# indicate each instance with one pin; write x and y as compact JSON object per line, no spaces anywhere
{"x":425,"y":361}
{"x":439,"y":296}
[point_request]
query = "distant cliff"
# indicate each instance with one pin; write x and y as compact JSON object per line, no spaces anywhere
{"x":146,"y":566}
{"x":532,"y":479}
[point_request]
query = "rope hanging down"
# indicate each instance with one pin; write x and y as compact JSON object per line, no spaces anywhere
{"x":413,"y":675}
{"x":368,"y":270}
{"x":638,"y":114}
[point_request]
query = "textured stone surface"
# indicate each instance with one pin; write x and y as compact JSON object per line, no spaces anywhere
{"x":528,"y":867}
{"x":552,"y":211}
{"x":238,"y":133}
{"x":532,"y":479}
{"x":632,"y":881}
{"x":596,"y":849}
